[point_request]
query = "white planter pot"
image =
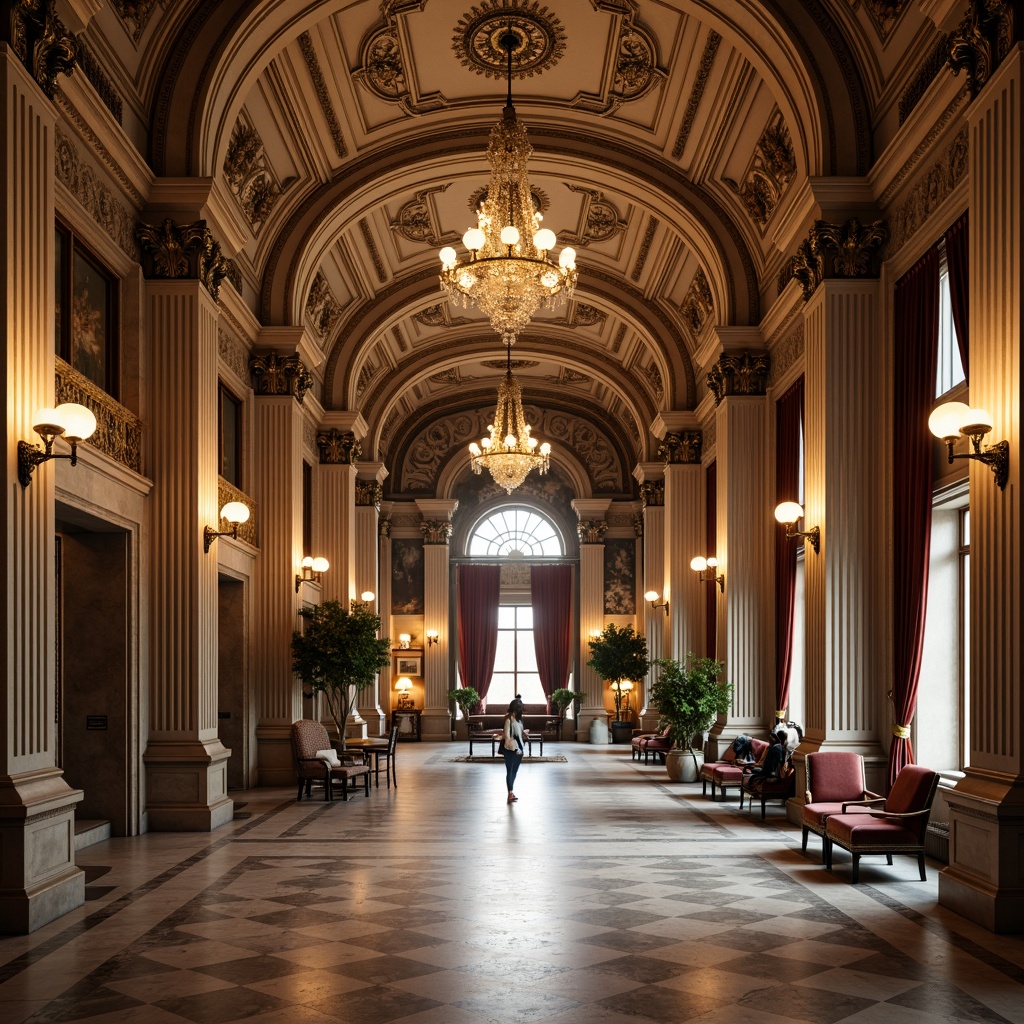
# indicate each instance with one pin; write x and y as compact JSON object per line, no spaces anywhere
{"x":680,"y":766}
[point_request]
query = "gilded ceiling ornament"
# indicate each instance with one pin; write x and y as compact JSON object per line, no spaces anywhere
{"x":516,"y":364}
{"x":636,"y":68}
{"x":539,"y":45}
{"x":249,"y":176}
{"x":274,"y":375}
{"x":770,"y":172}
{"x":450,"y":376}
{"x":41,"y":42}
{"x":383,"y":68}
{"x":436,"y":531}
{"x":681,"y":447}
{"x":743,"y":374}
{"x":567,"y":376}
{"x":586,"y":316}
{"x":323,"y":311}
{"x":369,"y":492}
{"x":986,"y":35}
{"x":652,"y":492}
{"x":653,"y":377}
{"x":338,"y":448}
{"x":698,"y":306}
{"x":599,"y":216}
{"x":439,"y":315}
{"x":591,"y":531}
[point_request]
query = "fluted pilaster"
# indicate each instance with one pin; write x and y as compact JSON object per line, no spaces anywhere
{"x":651,"y":476}
{"x":364,"y":566}
{"x":334,"y":530}
{"x":591,"y":513}
{"x":38,"y":877}
{"x":684,"y":526}
{"x":985,"y":877}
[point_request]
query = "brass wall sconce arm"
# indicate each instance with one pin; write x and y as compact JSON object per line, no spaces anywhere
{"x":953,"y":420}
{"x":234,"y":512}
{"x":433,"y":637}
{"x":71,"y":421}
{"x":655,"y":600}
{"x":707,"y":571}
{"x":312,"y":571}
{"x":787,"y":513}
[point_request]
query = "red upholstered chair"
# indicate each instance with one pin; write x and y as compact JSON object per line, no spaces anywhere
{"x":647,"y":743}
{"x":764,"y":789}
{"x":834,"y":777}
{"x":728,"y":772}
{"x":895,"y":824}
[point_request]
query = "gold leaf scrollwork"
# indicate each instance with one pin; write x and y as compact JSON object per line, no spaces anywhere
{"x":369,"y":492}
{"x":338,"y":448}
{"x":742,"y":374}
{"x":591,"y":531}
{"x":436,"y":531}
{"x":277,"y":375}
{"x":682,"y":447}
{"x":652,"y":492}
{"x":185,"y":251}
{"x":985,"y":36}
{"x":853,"y":247}
{"x":42,"y":43}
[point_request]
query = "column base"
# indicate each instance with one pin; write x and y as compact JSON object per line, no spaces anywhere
{"x":186,"y":785}
{"x":436,"y":725}
{"x":39,"y":881}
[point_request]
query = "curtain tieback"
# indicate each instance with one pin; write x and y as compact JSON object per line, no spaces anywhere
{"x":780,"y":715}
{"x":901,"y":732}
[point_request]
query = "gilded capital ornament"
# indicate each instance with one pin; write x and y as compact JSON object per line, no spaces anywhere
{"x":40,"y":41}
{"x":384,"y":527}
{"x":436,"y":531}
{"x":339,"y":448}
{"x":681,"y":447}
{"x":638,"y":524}
{"x":369,"y":492}
{"x":274,"y":374}
{"x":986,"y":35}
{"x":743,"y":374}
{"x":836,"y":250}
{"x":591,"y":531}
{"x":652,"y":492}
{"x":183,"y":252}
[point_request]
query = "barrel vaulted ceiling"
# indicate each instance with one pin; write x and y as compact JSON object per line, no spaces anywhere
{"x":670,"y":139}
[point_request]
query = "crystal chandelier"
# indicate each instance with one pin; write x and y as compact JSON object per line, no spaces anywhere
{"x":508,"y":273}
{"x":508,"y":451}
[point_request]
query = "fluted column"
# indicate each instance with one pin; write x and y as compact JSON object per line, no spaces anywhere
{"x":385,"y":677}
{"x":652,"y":490}
{"x":985,"y":877}
{"x":334,"y":523}
{"x":846,"y":483}
{"x":38,"y":877}
{"x":684,"y":533}
{"x":435,"y":722}
{"x":591,"y":528}
{"x":365,"y":554}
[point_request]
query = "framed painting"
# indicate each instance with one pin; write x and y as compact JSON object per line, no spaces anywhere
{"x":408,"y":666}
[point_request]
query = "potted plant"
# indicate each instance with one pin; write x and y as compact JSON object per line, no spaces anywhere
{"x":466,"y":698}
{"x":560,"y":701}
{"x":338,"y":653}
{"x":619,"y":653}
{"x":689,"y":698}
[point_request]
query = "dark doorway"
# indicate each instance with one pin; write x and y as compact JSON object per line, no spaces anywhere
{"x":232,"y":692}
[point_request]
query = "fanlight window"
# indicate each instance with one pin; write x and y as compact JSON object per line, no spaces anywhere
{"x":515,"y":531}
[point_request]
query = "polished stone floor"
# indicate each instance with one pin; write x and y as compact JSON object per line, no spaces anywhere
{"x":606,"y":894}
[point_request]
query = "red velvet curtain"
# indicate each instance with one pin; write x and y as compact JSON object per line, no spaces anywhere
{"x":710,"y":550}
{"x":551,"y":596}
{"x":789,"y":419}
{"x":916,"y":334}
{"x":957,"y":240}
{"x":479,"y":592}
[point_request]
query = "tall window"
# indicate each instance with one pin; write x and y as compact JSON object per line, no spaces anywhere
{"x":519,"y":531}
{"x":950,"y":370}
{"x":86,"y":313}
{"x":515,"y":664}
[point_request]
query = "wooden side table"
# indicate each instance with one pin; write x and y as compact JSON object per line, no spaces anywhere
{"x":408,"y":723}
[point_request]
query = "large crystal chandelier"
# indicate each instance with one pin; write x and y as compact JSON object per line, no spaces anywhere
{"x":508,"y":451}
{"x":508,"y":274}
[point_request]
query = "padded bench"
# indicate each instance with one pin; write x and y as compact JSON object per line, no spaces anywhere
{"x":494,"y":737}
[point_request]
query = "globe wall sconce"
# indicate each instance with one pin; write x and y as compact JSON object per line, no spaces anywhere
{"x":367,"y":597}
{"x":433,"y":637}
{"x":787,"y":513}
{"x":707,"y":571}
{"x":71,"y":421}
{"x":953,"y":420}
{"x":235,"y":513}
{"x":403,"y":684}
{"x":655,"y":600}
{"x":313,"y":570}
{"x":404,"y":640}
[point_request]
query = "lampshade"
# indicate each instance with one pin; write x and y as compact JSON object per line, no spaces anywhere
{"x":975,"y":421}
{"x":320,"y":564}
{"x":698,"y":564}
{"x":235,"y":512}
{"x":367,"y":596}
{"x":946,"y":419}
{"x":788,"y":512}
{"x":48,"y":422}
{"x":78,"y":421}
{"x":403,"y":684}
{"x":651,"y":595}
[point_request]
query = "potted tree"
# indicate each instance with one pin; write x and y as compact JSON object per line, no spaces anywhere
{"x":619,"y":653}
{"x":560,"y":701}
{"x":689,"y":698}
{"x":338,"y":653}
{"x":465,"y":698}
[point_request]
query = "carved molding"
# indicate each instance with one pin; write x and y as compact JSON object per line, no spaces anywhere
{"x":439,"y":315}
{"x":323,"y":311}
{"x":988,"y":32}
{"x":652,"y":493}
{"x":884,"y":14}
{"x":923,"y":77}
{"x":276,"y":375}
{"x":591,"y":531}
{"x":369,"y":492}
{"x":707,"y":60}
{"x":249,"y":176}
{"x":786,"y":353}
{"x":854,"y":251}
{"x":769,"y":174}
{"x":415,"y":219}
{"x":41,"y":42}
{"x":186,"y":251}
{"x":599,"y":216}
{"x":98,"y":80}
{"x":322,"y":95}
{"x":249,"y":530}
{"x":636,"y":65}
{"x":742,"y":374}
{"x":682,"y":447}
{"x":645,"y":248}
{"x":371,"y":248}
{"x":338,"y":448}
{"x":234,"y":355}
{"x":436,"y":531}
{"x":697,"y":306}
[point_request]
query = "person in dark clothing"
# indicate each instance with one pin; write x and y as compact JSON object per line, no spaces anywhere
{"x":512,"y":744}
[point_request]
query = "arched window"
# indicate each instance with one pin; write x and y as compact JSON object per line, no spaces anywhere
{"x":515,"y":531}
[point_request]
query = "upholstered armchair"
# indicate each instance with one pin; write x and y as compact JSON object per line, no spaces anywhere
{"x":834,"y":777}
{"x":656,"y":743}
{"x":894,"y":824}
{"x":315,"y":761}
{"x":727,"y":773}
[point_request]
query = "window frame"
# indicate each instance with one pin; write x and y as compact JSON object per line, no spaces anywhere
{"x":225,"y":394}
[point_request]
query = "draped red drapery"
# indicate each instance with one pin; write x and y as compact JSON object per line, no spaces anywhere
{"x":789,"y":418}
{"x":551,"y":596}
{"x":710,"y":550}
{"x":479,"y":592}
{"x":916,"y":332}
{"x":957,"y":265}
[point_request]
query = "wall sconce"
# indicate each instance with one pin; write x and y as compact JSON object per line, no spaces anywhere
{"x":313,"y":570}
{"x":403,"y":684}
{"x":71,"y":421}
{"x":707,"y":570}
{"x":367,"y":597}
{"x":236,"y":513}
{"x":655,"y":598}
{"x":433,"y":637}
{"x":787,"y":513}
{"x":404,"y":639}
{"x":951,"y":420}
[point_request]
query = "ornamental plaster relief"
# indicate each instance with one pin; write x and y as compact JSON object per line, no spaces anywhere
{"x":234,"y":355}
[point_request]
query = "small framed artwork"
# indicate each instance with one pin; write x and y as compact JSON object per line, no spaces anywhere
{"x":406,"y":666}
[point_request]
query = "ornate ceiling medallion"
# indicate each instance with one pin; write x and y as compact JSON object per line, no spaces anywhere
{"x":539,"y":45}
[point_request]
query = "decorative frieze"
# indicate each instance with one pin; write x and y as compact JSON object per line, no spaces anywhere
{"x":786,"y":353}
{"x":989,"y":30}
{"x":371,"y":248}
{"x":742,"y":374}
{"x":707,"y":60}
{"x":769,"y":174}
{"x":415,"y":219}
{"x":249,"y":530}
{"x":439,"y":315}
{"x":118,"y":430}
{"x":234,"y":355}
{"x":40,"y":41}
{"x":591,"y":531}
{"x":923,"y":77}
{"x":369,"y":492}
{"x":338,"y":448}
{"x":98,"y":80}
{"x":96,"y":199}
{"x":436,"y":531}
{"x":323,"y":311}
{"x":853,"y":249}
{"x":322,"y":95}
{"x":681,"y":447}
{"x":515,"y":574}
{"x":183,"y":251}
{"x":652,"y":493}
{"x":249,"y":176}
{"x":645,"y":248}
{"x":698,"y":306}
{"x":274,"y":374}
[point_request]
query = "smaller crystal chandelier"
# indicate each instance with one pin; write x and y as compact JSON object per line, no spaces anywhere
{"x":509,"y":452}
{"x":508,"y":273}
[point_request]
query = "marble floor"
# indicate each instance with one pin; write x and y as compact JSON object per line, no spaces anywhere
{"x":605,"y":894}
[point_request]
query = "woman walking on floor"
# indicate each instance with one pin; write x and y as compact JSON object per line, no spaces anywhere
{"x":512,"y":744}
